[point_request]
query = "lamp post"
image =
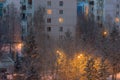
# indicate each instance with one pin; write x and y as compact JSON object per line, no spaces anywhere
{"x":105,"y":33}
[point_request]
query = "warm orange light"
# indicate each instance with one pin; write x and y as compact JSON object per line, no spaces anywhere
{"x":86,"y":10}
{"x":61,"y":20}
{"x":59,"y":52}
{"x":104,"y":33}
{"x":19,"y":46}
{"x":15,"y":74}
{"x":49,"y":11}
{"x":117,"y":20}
{"x":79,"y":56}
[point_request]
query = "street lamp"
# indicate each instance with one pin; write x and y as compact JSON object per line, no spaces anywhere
{"x":105,"y":33}
{"x":79,"y":56}
{"x":19,"y":46}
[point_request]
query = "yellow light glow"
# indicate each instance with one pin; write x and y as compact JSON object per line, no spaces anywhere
{"x":15,"y":74}
{"x":19,"y":46}
{"x":117,"y":20}
{"x":61,"y":20}
{"x":49,"y":11}
{"x":59,"y":52}
{"x":104,"y":33}
{"x":79,"y":56}
{"x":86,"y":10}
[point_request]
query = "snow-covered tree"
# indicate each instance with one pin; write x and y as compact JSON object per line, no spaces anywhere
{"x":91,"y":70}
{"x":30,"y":52}
{"x":103,"y":73}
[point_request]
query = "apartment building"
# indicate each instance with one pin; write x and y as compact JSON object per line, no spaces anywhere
{"x":28,"y":8}
{"x":61,"y":16}
{"x":105,"y":12}
{"x":2,"y":2}
{"x":112,"y":12}
{"x":96,"y":8}
{"x":82,"y":8}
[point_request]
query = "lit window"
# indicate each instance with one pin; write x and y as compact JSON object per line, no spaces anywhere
{"x":61,"y":3}
{"x":61,"y":20}
{"x":117,"y":20}
{"x":48,"y":20}
{"x":60,"y":11}
{"x":86,"y":10}
{"x":49,"y":11}
{"x":49,"y":3}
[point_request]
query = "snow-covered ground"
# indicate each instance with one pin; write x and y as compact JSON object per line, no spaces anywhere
{"x":118,"y":77}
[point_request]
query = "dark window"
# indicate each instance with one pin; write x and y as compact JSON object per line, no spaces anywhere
{"x":92,"y":8}
{"x":61,"y":29}
{"x":23,"y":7}
{"x":98,"y":17}
{"x":60,"y":11}
{"x":91,"y":2}
{"x":61,"y":3}
{"x":48,"y":20}
{"x":117,"y":13}
{"x":117,"y":5}
{"x":49,"y":3}
{"x":23,"y":16}
{"x":48,"y":29}
{"x":30,"y":2}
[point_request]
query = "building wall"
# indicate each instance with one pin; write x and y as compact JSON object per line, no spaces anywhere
{"x":112,"y":12}
{"x":27,"y":13}
{"x":106,"y":12}
{"x":69,"y":17}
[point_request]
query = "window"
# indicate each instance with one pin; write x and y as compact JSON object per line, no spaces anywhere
{"x":98,"y":18}
{"x":49,"y":11}
{"x":117,"y":20}
{"x":30,"y":2}
{"x":91,"y":2}
{"x":60,"y":11}
{"x":48,"y":29}
{"x":48,"y":20}
{"x":23,"y":16}
{"x":61,"y":20}
{"x":61,"y":3}
{"x":117,"y":5}
{"x":61,"y":29}
{"x":117,"y":13}
{"x":24,"y":7}
{"x":49,"y":3}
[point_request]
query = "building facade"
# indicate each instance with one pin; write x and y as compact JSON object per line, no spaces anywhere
{"x":28,"y":8}
{"x":96,"y":8}
{"x":61,"y":16}
{"x":2,"y":2}
{"x":82,"y":8}
{"x":112,"y":12}
{"x":105,"y":12}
